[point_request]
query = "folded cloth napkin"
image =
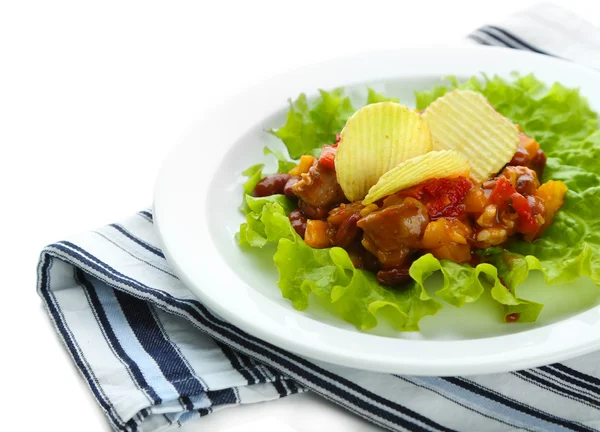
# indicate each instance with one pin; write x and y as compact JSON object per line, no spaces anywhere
{"x":154,"y":357}
{"x":546,"y":29}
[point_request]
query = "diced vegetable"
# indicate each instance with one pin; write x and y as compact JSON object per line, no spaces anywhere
{"x":475,"y":201}
{"x":503,"y":191}
{"x":448,"y":196}
{"x":444,"y":231}
{"x":316,"y":234}
{"x":553,"y":194}
{"x":454,"y":252}
{"x":303,"y":166}
{"x":529,"y":144}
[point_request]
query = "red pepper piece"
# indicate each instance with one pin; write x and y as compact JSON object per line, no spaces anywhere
{"x":502,"y":192}
{"x":327,"y":158}
{"x":527,"y":222}
{"x":448,"y":196}
{"x":415,"y":192}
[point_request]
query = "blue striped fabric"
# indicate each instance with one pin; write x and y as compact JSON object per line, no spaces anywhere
{"x":154,"y":357}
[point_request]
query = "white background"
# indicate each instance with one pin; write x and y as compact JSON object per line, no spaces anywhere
{"x":92,"y":97}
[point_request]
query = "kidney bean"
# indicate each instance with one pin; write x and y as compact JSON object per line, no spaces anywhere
{"x":287,"y":189}
{"x":369,"y":261}
{"x":298,"y":221}
{"x":521,"y":157}
{"x":393,"y":276}
{"x":526,"y":184}
{"x":538,"y":163}
{"x":361,"y":258}
{"x":537,"y":205}
{"x":271,"y":185}
{"x":312,"y":212}
{"x":513,"y":317}
{"x":348,"y":231}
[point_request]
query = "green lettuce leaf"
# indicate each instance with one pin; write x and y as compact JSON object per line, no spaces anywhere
{"x":513,"y":269}
{"x":255,"y":174}
{"x":374,"y":97}
{"x":311,"y":125}
{"x":463,"y":283}
{"x":354,"y":294}
{"x":283,"y":165}
{"x":266,"y":221}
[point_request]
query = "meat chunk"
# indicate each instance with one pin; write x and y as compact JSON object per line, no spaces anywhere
{"x":391,"y":232}
{"x":319,"y":187}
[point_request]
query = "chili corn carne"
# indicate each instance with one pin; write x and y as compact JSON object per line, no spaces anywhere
{"x":451,"y":218}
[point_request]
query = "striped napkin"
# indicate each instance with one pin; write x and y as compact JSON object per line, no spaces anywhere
{"x":154,"y":357}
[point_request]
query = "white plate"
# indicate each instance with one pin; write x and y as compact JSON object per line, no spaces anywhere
{"x":199,"y":189}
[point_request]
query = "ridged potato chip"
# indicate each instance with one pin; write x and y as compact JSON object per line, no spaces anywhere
{"x":374,"y":140}
{"x":464,"y":121}
{"x":435,"y":164}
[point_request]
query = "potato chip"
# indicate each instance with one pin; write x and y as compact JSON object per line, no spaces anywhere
{"x":435,"y":164}
{"x":374,"y":140}
{"x":464,"y":121}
